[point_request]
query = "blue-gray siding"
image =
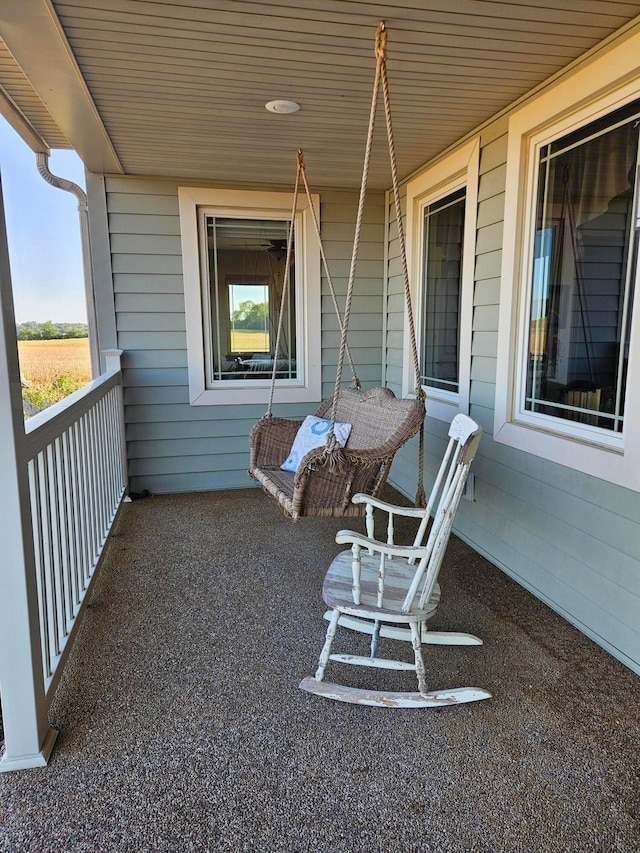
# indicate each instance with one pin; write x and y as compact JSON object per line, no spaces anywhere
{"x":574,"y":540}
{"x":172,"y":446}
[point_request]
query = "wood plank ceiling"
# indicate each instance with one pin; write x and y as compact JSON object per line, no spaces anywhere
{"x":181,"y":86}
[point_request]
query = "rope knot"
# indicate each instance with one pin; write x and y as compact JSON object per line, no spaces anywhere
{"x":421,"y":497}
{"x":333,"y":456}
{"x":381,"y":42}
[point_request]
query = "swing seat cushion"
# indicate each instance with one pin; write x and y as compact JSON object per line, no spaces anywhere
{"x":312,"y":434}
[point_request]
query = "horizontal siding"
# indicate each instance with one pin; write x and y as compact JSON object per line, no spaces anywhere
{"x":141,"y":283}
{"x":173,"y":446}
{"x":572,"y":539}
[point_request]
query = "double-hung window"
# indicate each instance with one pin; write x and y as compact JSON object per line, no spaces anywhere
{"x":441,"y":224}
{"x":249,"y":311}
{"x":567,"y":372}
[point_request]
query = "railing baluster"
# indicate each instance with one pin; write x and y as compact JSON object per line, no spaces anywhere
{"x":47,"y":556}
{"x":71,"y":520}
{"x":103,"y":439}
{"x":86,"y":502}
{"x":93,"y":486}
{"x":63,"y":535}
{"x":56,"y":548}
{"x":77,"y":500}
{"x":41,"y":582}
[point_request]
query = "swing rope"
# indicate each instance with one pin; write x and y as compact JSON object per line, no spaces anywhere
{"x":333,"y":453}
{"x":381,"y":51}
{"x":285,"y":292}
{"x":301,"y":172}
{"x":355,"y":381}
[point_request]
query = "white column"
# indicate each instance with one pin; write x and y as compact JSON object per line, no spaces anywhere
{"x":28,"y":737}
{"x":113,"y":361}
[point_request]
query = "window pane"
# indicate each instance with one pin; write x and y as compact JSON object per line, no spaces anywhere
{"x":443,"y":236}
{"x":247,"y":259}
{"x":583,"y":274}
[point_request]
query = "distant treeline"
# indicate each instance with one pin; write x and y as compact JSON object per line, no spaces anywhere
{"x":49,"y":331}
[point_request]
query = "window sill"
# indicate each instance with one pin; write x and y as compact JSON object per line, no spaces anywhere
{"x":619,"y":465}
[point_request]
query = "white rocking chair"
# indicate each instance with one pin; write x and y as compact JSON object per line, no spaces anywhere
{"x":378,"y":587}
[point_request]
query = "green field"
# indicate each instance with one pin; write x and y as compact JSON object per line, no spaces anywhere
{"x":247,"y":340}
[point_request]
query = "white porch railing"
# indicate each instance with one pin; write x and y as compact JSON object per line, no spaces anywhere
{"x":77,"y":475}
{"x":64,"y":476}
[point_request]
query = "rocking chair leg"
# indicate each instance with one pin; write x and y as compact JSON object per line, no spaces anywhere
{"x":417,"y":650}
{"x":326,"y":649}
{"x":374,"y":638}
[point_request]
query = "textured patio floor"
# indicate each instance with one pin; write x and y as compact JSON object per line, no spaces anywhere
{"x":182,"y":727}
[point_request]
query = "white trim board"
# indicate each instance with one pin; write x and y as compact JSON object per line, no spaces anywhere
{"x":605,"y":84}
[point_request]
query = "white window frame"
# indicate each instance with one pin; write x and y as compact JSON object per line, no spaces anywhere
{"x":456,"y":171}
{"x":194,"y":204}
{"x":607,"y":83}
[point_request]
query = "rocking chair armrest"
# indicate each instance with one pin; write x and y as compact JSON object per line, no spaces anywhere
{"x":270,"y":441}
{"x":408,"y":511}
{"x":351,"y":537}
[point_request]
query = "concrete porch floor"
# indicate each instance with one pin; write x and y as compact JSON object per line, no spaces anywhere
{"x":182,"y":727}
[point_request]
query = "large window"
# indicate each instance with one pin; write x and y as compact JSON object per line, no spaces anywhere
{"x":583,"y":273}
{"x":441,"y":225}
{"x":234,"y":258}
{"x":568,"y":358}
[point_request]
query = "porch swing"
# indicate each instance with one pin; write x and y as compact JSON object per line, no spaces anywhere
{"x":363,"y":429}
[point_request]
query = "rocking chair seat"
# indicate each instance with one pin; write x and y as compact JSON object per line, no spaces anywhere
{"x":337,"y":589}
{"x":381,"y":424}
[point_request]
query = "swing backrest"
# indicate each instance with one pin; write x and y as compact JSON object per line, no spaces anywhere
{"x":379,"y":419}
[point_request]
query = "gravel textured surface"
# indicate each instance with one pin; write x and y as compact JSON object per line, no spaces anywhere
{"x":182,"y":727}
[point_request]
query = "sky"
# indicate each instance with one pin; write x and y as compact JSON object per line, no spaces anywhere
{"x":43,"y":231}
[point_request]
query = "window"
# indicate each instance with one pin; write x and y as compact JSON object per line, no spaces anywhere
{"x":441,"y":224}
{"x":443,"y":230}
{"x":234,"y":257}
{"x":582,"y":275}
{"x":566,"y":352}
{"x":245,"y":269}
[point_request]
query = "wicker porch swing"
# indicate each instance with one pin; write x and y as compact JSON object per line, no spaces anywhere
{"x":364,"y":429}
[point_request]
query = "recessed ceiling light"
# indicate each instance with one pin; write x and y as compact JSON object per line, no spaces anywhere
{"x":282,"y":107}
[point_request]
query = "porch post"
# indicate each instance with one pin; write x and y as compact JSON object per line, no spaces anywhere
{"x":28,"y":737}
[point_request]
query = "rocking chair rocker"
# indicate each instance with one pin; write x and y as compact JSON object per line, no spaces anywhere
{"x":377,"y":587}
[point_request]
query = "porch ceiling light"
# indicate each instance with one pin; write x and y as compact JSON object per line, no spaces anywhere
{"x":282,"y":107}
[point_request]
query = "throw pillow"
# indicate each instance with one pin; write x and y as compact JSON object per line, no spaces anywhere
{"x":313,"y":433}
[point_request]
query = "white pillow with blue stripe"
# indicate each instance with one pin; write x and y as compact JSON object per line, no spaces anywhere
{"x":313,"y":433}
